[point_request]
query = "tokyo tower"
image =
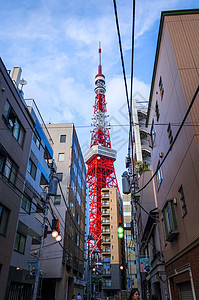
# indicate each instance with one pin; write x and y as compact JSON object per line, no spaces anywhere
{"x":100,"y":159}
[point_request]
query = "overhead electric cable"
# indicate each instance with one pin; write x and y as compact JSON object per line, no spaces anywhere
{"x":173,"y":142}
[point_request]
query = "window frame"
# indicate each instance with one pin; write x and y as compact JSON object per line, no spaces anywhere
{"x":56,"y":202}
{"x":4,"y":219}
{"x":18,"y":244}
{"x":37,"y":139}
{"x":170,"y":221}
{"x":159,"y":176}
{"x":8,"y":168}
{"x":170,"y":134}
{"x":161,"y":88}
{"x":32,"y":169}
{"x":13,"y":123}
{"x":25,"y":201}
{"x":62,"y":138}
{"x":152,"y":134}
{"x":182,"y":201}
{"x":59,"y":155}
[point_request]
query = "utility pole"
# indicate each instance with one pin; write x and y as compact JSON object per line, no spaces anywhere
{"x":52,"y":191}
{"x":88,"y":270}
{"x":35,"y":292}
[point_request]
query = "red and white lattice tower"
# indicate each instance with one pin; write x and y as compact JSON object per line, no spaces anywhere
{"x":100,"y":159}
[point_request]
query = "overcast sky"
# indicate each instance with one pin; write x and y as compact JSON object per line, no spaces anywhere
{"x":55,"y":42}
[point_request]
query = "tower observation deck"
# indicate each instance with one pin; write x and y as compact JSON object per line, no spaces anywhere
{"x":100,"y":158}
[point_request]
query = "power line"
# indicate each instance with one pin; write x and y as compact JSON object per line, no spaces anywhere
{"x":173,"y":142}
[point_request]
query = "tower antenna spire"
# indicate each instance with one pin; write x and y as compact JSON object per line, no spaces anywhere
{"x":100,"y":60}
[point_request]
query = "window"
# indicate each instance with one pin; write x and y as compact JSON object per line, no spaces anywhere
{"x":60,"y":156}
{"x":152,"y":135}
{"x":60,"y":176}
{"x":57,"y":199}
{"x":10,"y":118}
{"x":20,"y":239}
{"x":132,"y":262}
{"x":32,"y":169}
{"x":157,"y":111}
{"x":37,"y":139}
{"x":26,"y":203}
{"x":62,"y":138}
{"x":183,"y":203}
{"x":161,"y":88}
{"x":4,"y":215}
{"x":20,"y":243}
{"x":169,"y":221}
{"x":170,"y":135}
{"x":7,"y":166}
{"x":159,"y":176}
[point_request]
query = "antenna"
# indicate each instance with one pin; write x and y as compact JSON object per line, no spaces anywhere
{"x":100,"y":60}
{"x":22,"y":82}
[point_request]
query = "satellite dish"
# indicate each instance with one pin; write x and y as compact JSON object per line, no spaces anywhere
{"x":22,"y":82}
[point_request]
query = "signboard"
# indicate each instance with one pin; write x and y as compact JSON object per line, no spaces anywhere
{"x":33,"y":267}
{"x":145,"y":264}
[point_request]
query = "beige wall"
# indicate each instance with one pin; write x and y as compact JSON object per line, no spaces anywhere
{"x":178,"y":66}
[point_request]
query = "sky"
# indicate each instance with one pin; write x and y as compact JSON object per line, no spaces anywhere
{"x":55,"y":42}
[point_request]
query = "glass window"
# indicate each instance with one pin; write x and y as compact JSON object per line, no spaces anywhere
{"x":62,"y":138}
{"x":20,"y":243}
{"x":32,"y":169}
{"x":169,"y":221}
{"x":170,"y":134}
{"x":10,"y":170}
{"x":4,"y":215}
{"x":60,"y":176}
{"x":60,"y":156}
{"x":152,"y":134}
{"x":161,"y":88}
{"x":183,"y":202}
{"x":26,"y":203}
{"x":37,"y":139}
{"x":159,"y":176}
{"x":13,"y":123}
{"x":57,"y":199}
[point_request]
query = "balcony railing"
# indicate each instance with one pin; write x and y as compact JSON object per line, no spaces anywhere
{"x":105,"y":203}
{"x":106,"y":272}
{"x":106,"y":250}
{"x":105,"y":195}
{"x":105,"y":221}
{"x":105,"y":211}
{"x":105,"y":230}
{"x":106,"y":240}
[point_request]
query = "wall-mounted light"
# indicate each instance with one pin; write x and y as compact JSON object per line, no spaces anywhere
{"x":161,"y":154}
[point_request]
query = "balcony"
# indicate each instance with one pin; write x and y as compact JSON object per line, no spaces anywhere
{"x":105,"y":195}
{"x":105,"y":230}
{"x":105,"y":212}
{"x":105,"y":203}
{"x":105,"y":221}
{"x":106,"y":272}
{"x":106,"y":240}
{"x":106,"y":250}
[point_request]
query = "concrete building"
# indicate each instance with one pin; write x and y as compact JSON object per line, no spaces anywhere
{"x":172,"y":121}
{"x":29,"y":227}
{"x":16,"y":127}
{"x":153,"y":277}
{"x":63,"y":263}
{"x":129,"y":243}
{"x":142,"y":152}
{"x":112,"y":255}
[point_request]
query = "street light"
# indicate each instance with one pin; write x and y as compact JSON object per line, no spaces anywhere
{"x":55,"y":234}
{"x":58,"y":238}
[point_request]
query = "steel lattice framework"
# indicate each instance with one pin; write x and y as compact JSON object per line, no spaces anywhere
{"x":100,"y":159}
